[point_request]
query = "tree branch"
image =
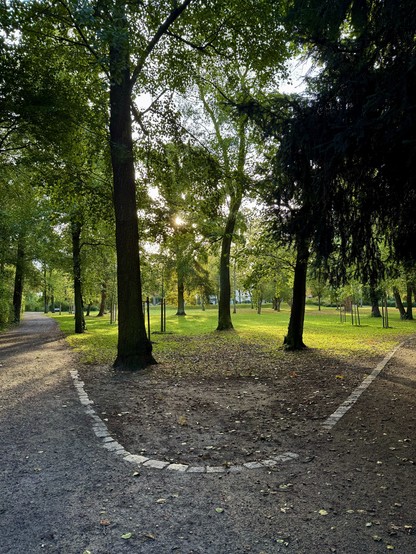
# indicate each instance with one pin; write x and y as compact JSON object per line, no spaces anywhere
{"x":84,"y":41}
{"x":172,"y":17}
{"x":200,"y":48}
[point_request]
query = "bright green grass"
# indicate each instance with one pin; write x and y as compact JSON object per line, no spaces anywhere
{"x":323,"y":330}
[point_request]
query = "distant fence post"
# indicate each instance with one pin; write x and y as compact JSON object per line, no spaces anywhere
{"x":163,"y":315}
{"x":384,"y":311}
{"x":148,"y":316}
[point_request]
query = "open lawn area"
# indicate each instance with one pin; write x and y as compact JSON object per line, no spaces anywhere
{"x":194,"y":334}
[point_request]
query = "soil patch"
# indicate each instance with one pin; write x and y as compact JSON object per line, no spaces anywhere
{"x":235,"y":404}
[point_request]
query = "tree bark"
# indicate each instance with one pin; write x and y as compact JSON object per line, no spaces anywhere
{"x":276,"y":303}
{"x":399,"y":303}
{"x":134,"y":349}
{"x":409,"y":301}
{"x":45,"y":293}
{"x":76,"y":264}
{"x":101,"y":310}
{"x":19,"y":280}
{"x":294,"y":338}
{"x":224,"y":304}
{"x":374,"y":299}
{"x":181,"y":297}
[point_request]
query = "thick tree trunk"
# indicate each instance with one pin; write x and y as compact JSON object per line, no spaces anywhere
{"x":276,"y":303}
{"x":224,"y":304}
{"x":18,"y":280}
{"x":294,"y":338}
{"x":399,"y":303}
{"x":374,"y":299}
{"x":181,"y":297}
{"x":409,"y":300}
{"x":134,"y":349}
{"x":101,"y":310}
{"x":76,"y":264}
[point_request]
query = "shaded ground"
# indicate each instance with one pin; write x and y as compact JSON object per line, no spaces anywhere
{"x":252,"y":404}
{"x":351,"y":491}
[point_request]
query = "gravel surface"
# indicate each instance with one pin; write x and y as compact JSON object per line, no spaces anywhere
{"x":352,"y":489}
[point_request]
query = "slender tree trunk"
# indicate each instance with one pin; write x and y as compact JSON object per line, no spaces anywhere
{"x":374,"y":299}
{"x":101,"y":310}
{"x":409,"y":300}
{"x":19,"y":280}
{"x":76,"y":264}
{"x":89,"y":306}
{"x":294,"y":338}
{"x":52,"y":300}
{"x":181,"y":297}
{"x":45,"y":293}
{"x":134,"y":349}
{"x":399,"y":303}
{"x":224,"y":305}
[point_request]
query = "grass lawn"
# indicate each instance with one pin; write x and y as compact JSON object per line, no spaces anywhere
{"x":323,"y":331}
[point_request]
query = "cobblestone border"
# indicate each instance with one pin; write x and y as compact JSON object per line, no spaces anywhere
{"x":101,"y":431}
{"x":333,"y":419}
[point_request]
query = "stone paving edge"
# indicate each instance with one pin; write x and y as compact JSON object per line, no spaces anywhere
{"x":101,"y":431}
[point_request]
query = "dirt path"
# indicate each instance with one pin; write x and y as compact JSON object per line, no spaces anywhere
{"x":352,"y":490}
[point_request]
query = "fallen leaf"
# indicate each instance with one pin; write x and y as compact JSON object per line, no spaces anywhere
{"x":285,"y":486}
{"x":104,"y":522}
{"x":390,"y":547}
{"x":136,"y":473}
{"x":182,"y":420}
{"x":219,"y":510}
{"x":376,"y":538}
{"x":161,"y":501}
{"x":127,"y":536}
{"x":149,"y":536}
{"x":323,"y":513}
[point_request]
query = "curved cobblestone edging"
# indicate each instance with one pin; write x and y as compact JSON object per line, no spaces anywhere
{"x":333,"y":419}
{"x":101,"y":431}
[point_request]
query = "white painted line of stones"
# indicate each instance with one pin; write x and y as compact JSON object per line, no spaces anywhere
{"x":101,"y":431}
{"x":333,"y":419}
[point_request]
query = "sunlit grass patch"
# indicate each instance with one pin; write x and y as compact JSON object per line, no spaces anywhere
{"x":323,"y":331}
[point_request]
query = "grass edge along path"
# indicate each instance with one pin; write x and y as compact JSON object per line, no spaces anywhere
{"x":323,"y":332}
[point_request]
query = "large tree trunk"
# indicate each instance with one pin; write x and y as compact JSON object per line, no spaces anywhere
{"x":409,"y":300}
{"x":76,"y":264}
{"x":276,"y":302}
{"x":224,"y":304}
{"x":134,"y":349}
{"x":399,"y":303}
{"x":101,"y":310}
{"x":18,"y":280}
{"x":181,"y":297}
{"x":294,"y":338}
{"x":374,"y":299}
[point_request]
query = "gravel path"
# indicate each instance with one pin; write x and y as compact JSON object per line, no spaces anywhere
{"x":351,"y":491}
